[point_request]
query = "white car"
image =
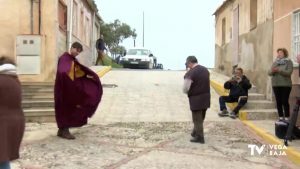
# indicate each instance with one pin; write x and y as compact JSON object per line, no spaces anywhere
{"x":138,"y":57}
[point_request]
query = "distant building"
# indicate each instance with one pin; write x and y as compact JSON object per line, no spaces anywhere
{"x":36,"y":32}
{"x":248,"y":32}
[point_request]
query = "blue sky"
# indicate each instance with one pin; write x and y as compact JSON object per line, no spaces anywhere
{"x":174,"y":29}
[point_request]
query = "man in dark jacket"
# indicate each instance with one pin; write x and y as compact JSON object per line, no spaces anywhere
{"x":238,"y":85}
{"x":197,"y":87}
{"x":100,"y":46}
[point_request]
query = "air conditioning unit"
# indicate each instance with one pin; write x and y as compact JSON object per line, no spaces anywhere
{"x":28,"y":50}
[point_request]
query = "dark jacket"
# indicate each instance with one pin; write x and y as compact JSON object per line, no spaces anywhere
{"x":199,"y":93}
{"x":12,"y":121}
{"x":238,"y":89}
{"x":100,"y":44}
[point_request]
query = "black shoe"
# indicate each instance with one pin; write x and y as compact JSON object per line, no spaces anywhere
{"x":198,"y":139}
{"x":193,"y":134}
{"x":65,"y":134}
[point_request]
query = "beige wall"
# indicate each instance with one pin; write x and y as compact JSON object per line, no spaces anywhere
{"x":255,"y":46}
{"x":244,"y":16}
{"x":283,"y":21}
{"x":86,"y":34}
{"x":84,"y":31}
{"x":265,"y":10}
{"x":11,"y":14}
{"x":227,"y":14}
{"x":265,"y":13}
{"x":20,"y":25}
{"x":16,"y":20}
{"x":283,"y":8}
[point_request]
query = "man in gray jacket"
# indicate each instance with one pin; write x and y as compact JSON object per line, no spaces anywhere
{"x":197,"y":87}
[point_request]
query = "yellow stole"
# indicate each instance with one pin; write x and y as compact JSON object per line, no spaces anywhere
{"x":75,"y":72}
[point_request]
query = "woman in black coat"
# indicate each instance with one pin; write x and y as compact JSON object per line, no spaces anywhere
{"x":12,"y":122}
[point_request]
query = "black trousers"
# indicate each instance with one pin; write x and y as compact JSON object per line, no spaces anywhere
{"x":282,"y":95}
{"x":229,"y":99}
{"x":198,"y":119}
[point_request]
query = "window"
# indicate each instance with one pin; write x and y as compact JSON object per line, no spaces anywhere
{"x":62,"y":15}
{"x":138,"y":52}
{"x":81,"y":25}
{"x":253,"y":14}
{"x":296,"y":34}
{"x":223,"y":31}
{"x":97,"y":31}
{"x":75,"y":18}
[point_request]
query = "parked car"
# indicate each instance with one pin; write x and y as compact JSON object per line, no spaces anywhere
{"x":139,"y":57}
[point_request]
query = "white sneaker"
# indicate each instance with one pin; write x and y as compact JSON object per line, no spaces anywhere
{"x":223,"y":113}
{"x":233,"y":115}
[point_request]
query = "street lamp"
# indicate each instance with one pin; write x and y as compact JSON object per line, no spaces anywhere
{"x":134,"y":35}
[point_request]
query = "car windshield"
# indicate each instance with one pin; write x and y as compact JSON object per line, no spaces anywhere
{"x":137,"y":52}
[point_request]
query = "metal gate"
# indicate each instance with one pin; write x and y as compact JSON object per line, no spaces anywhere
{"x":296,"y":35}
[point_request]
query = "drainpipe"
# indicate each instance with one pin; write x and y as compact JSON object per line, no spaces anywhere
{"x":31,"y":17}
{"x":93,"y":39}
{"x":40,"y":16}
{"x":70,"y":25}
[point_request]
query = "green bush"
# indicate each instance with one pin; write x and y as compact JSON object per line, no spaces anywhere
{"x":109,"y":62}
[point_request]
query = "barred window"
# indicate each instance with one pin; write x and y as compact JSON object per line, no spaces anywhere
{"x":296,"y":35}
{"x":223,"y":31}
{"x":62,"y":15}
{"x":75,"y":18}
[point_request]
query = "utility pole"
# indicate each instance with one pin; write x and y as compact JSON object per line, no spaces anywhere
{"x":143,"y":29}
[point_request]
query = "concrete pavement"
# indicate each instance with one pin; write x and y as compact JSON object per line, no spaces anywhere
{"x":144,"y":121}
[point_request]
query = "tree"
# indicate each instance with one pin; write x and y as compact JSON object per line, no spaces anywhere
{"x":118,"y":50}
{"x":114,"y":33}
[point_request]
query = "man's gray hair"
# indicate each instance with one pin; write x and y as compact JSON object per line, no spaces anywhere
{"x":191,"y":59}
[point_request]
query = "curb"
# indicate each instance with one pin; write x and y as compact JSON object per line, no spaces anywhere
{"x":292,"y":154}
{"x":105,"y":70}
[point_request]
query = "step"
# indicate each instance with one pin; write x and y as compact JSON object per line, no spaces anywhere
{"x":261,"y":114}
{"x":256,"y":96}
{"x":30,"y":90}
{"x":40,"y":111}
{"x":37,"y":103}
{"x":36,"y":93}
{"x":253,"y":89}
{"x":37,"y":83}
{"x":39,"y":115}
{"x":42,"y":97}
{"x":37,"y":88}
{"x":260,"y":104}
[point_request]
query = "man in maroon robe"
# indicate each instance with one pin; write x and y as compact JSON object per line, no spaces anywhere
{"x":77,"y":92}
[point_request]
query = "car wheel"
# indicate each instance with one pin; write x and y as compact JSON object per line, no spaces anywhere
{"x":150,"y":65}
